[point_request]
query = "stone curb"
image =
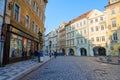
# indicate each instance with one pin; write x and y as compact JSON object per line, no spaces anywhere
{"x":18,"y":77}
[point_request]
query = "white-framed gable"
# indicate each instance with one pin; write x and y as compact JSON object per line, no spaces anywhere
{"x":95,"y":13}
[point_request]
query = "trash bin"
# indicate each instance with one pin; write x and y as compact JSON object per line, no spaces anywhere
{"x":40,"y":58}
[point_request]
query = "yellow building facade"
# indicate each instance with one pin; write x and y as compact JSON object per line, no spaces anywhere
{"x":23,"y":29}
{"x":113,"y":22}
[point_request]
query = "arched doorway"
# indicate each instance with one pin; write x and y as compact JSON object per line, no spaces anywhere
{"x":83,"y":52}
{"x":71,"y":52}
{"x":99,"y":51}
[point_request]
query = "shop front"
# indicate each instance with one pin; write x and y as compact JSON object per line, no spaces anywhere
{"x":18,"y":45}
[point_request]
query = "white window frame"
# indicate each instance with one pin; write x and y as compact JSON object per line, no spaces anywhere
{"x":18,"y":14}
{"x":27,"y":21}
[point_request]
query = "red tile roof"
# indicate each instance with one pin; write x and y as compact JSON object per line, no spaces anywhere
{"x":80,"y":17}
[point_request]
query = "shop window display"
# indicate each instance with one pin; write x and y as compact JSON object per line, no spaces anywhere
{"x":15,"y":46}
{"x":28,"y":48}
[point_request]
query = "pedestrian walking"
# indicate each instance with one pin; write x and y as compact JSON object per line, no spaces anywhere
{"x":55,"y":54}
{"x":32,"y":54}
{"x":50,"y":55}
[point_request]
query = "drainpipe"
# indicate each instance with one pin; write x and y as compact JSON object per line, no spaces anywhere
{"x":2,"y":42}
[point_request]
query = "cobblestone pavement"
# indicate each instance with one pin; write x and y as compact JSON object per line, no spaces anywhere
{"x":14,"y":71}
{"x":75,"y":68}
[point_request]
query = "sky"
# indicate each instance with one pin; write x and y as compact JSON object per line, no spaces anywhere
{"x":58,"y":11}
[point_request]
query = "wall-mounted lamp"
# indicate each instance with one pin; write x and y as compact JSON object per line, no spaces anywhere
{"x":40,"y":36}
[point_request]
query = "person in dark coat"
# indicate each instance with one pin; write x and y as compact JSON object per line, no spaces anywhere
{"x":55,"y":54}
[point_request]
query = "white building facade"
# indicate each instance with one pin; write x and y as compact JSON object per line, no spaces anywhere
{"x":86,"y":35}
{"x":98,"y":33}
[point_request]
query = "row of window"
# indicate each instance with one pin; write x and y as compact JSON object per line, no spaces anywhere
{"x":35,"y":28}
{"x":113,"y":11}
{"x":96,"y":20}
{"x":70,"y":42}
{"x":97,"y":28}
{"x":72,"y":27}
{"x":37,"y":10}
{"x":82,"y":41}
{"x":81,"y":32}
{"x":70,"y":35}
{"x":98,"y":39}
{"x":82,"y":23}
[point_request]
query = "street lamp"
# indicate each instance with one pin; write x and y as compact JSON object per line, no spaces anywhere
{"x":40,"y":39}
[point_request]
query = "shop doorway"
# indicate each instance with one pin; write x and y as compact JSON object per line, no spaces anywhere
{"x":99,"y":51}
{"x":83,"y":52}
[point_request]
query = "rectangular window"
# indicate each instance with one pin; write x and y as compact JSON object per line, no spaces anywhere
{"x":85,"y":40}
{"x":81,"y":41}
{"x":101,"y":18}
{"x":96,"y":20}
{"x":91,"y":21}
{"x":78,"y":41}
{"x":92,"y":29}
{"x":81,"y":32}
{"x":16,"y":46}
{"x":97,"y":39}
{"x":72,"y":34}
{"x":113,"y":23}
{"x":84,"y":22}
{"x":27,"y":21}
{"x":37,"y":10}
{"x":80,"y":23}
{"x":102,"y":27}
{"x":115,"y":36}
{"x":96,"y":28}
{"x":112,"y":11}
{"x":36,"y":29}
{"x":16,"y":12}
{"x":33,"y":26}
{"x":92,"y":39}
{"x":103,"y":38}
{"x":84,"y":31}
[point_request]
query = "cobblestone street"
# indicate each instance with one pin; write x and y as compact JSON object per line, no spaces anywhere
{"x":75,"y":68}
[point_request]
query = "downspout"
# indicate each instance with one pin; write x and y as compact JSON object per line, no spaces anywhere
{"x":2,"y":42}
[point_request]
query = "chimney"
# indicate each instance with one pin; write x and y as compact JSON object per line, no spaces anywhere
{"x":108,"y":2}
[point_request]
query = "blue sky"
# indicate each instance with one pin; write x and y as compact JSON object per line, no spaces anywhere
{"x":58,"y":11}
